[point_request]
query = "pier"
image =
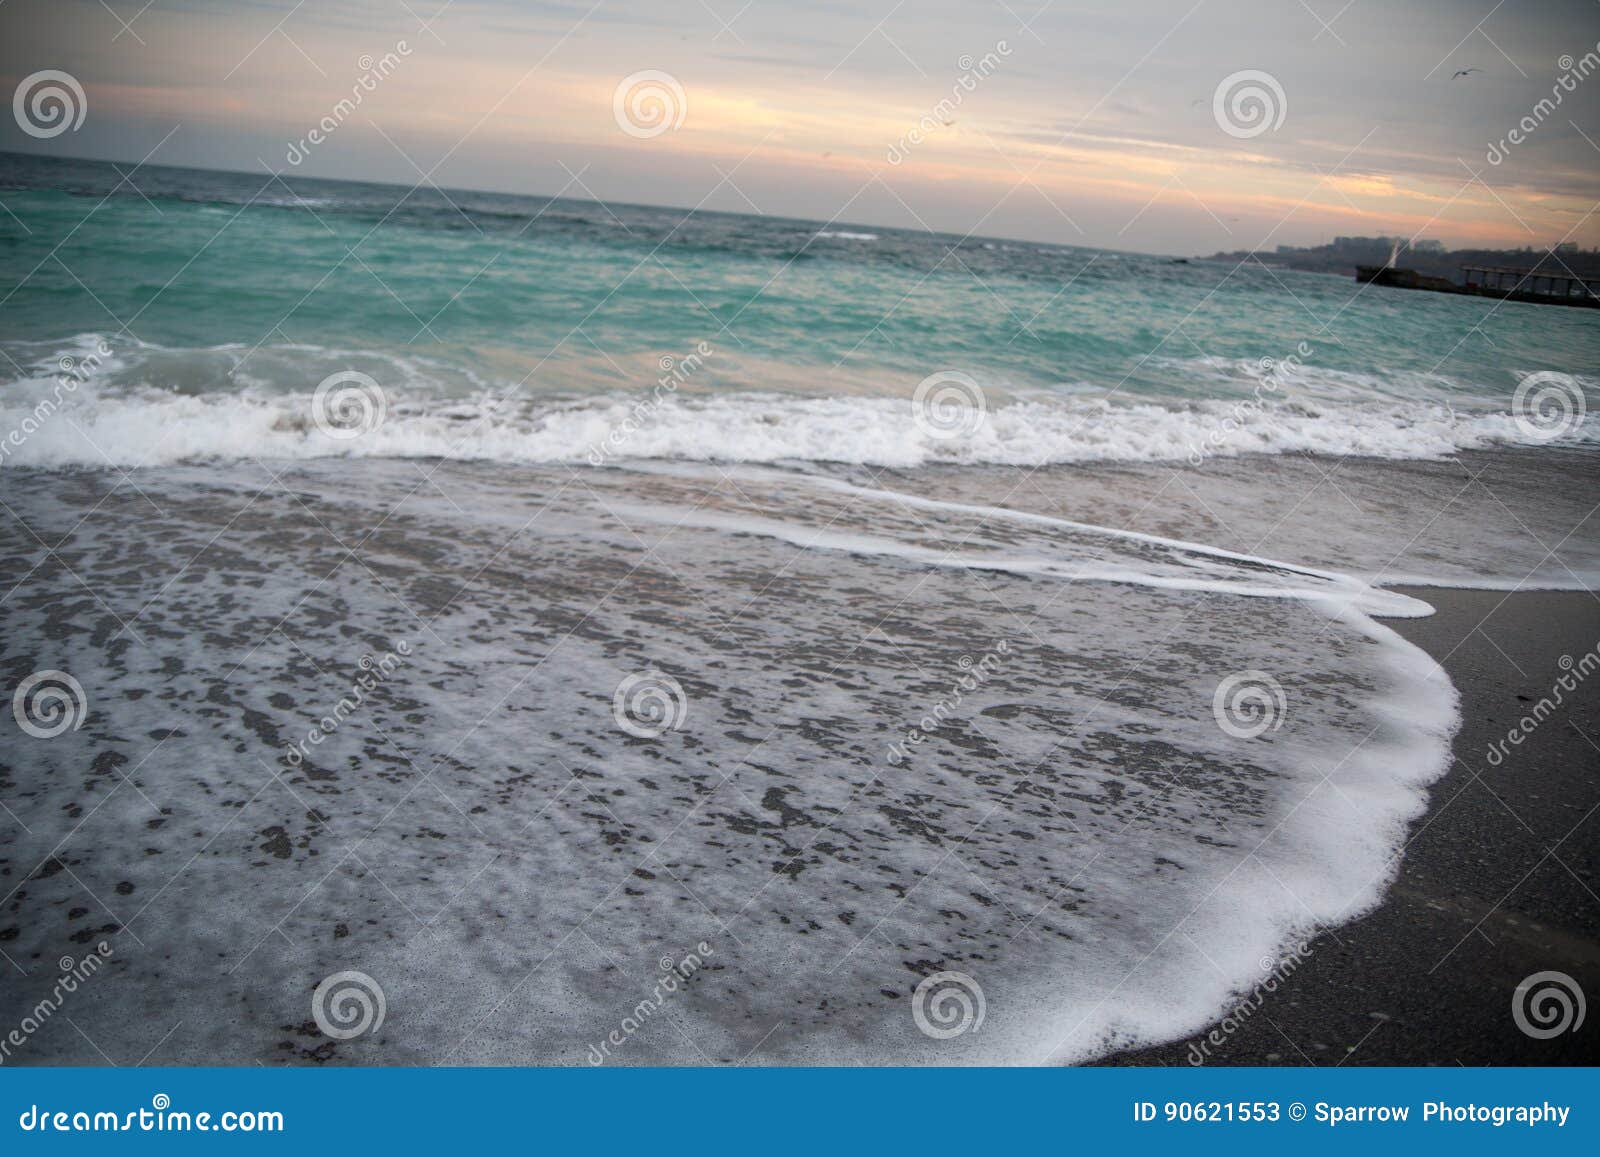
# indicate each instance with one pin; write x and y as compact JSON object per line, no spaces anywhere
{"x":1533,"y":286}
{"x":1532,"y":282}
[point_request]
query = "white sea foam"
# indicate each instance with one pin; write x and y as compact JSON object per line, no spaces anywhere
{"x":148,"y":427}
{"x":1080,"y":835}
{"x":1177,"y":565}
{"x":1339,"y":824}
{"x":151,"y":405}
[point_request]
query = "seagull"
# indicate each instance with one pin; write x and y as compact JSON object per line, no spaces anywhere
{"x":1465,"y":72}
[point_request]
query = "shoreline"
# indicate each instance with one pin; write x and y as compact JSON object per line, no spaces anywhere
{"x":1497,"y":881}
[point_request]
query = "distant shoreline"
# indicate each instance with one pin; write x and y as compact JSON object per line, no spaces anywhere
{"x":1344,"y":260}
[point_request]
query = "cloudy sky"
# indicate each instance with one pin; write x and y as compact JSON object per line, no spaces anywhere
{"x":1059,"y":120}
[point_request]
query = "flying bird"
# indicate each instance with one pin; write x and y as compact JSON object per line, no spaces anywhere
{"x":1465,"y":72}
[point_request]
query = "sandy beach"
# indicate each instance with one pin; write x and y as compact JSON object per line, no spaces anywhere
{"x":1497,"y":882}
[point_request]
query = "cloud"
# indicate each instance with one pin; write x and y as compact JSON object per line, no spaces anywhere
{"x":1102,"y":117}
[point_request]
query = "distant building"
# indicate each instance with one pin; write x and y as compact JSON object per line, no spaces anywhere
{"x":1428,"y":246}
{"x":1565,"y":247}
{"x":1365,"y":244}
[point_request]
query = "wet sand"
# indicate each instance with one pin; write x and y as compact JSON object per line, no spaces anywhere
{"x":1498,"y":881}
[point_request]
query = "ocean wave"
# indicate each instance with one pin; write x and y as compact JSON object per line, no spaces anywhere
{"x":1322,"y":383}
{"x":95,"y":399}
{"x":148,"y":427}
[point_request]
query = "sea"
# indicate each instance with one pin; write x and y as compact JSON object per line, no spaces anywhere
{"x":450,"y":627}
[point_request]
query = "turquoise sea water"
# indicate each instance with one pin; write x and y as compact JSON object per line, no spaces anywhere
{"x":246,"y":291}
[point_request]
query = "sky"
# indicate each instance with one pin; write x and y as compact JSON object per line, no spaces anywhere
{"x":1104,"y":124}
